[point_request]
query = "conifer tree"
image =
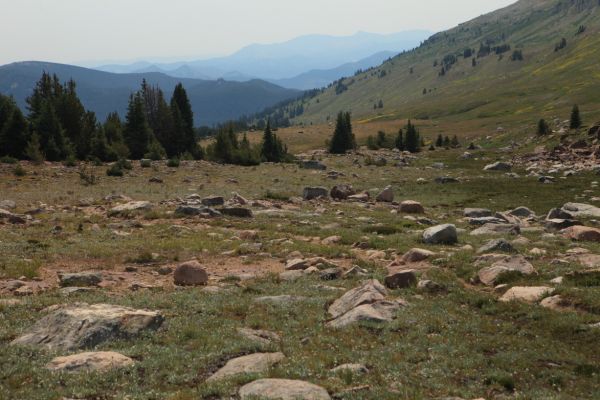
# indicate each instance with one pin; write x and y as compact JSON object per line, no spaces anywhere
{"x":454,"y":142}
{"x":343,"y":139}
{"x":446,"y":141}
{"x":400,"y":140}
{"x":413,"y":142}
{"x":543,"y":128}
{"x":137,"y":132}
{"x":33,"y":150}
{"x":14,"y":132}
{"x":575,"y":118}
{"x":54,"y":144}
{"x":270,"y":149}
{"x":181,"y":102}
{"x":440,"y":141}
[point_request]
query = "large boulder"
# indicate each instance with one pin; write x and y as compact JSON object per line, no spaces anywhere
{"x":282,"y":389}
{"x":522,"y":212}
{"x":498,"y":166}
{"x":311,"y":193}
{"x":250,"y":364}
{"x":213,"y":201}
{"x":101,"y":361}
{"x":411,"y":207}
{"x":582,"y":233}
{"x":401,"y":279}
{"x":190,"y":273}
{"x":386,"y":195}
{"x":239,"y":212}
{"x":342,"y":192}
{"x":82,"y":326}
{"x":519,"y":264}
{"x":441,"y":234}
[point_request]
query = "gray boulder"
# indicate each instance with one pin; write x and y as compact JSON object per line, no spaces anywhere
{"x":441,"y":234}
{"x":498,"y":166}
{"x":311,"y":193}
{"x":282,"y":389}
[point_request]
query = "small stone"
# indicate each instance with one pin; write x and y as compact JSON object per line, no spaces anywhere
{"x":401,"y":279}
{"x":417,"y":255}
{"x":411,"y":207}
{"x":582,"y":233}
{"x":250,"y":364}
{"x":80,"y":279}
{"x":528,"y":294}
{"x":386,"y":196}
{"x":282,"y":389}
{"x":498,"y":166}
{"x":311,"y":193}
{"x":92,"y":361}
{"x":496,"y":245}
{"x":477,"y":212}
{"x":357,"y":369}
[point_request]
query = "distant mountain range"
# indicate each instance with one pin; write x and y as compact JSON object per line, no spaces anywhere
{"x":103,"y":92}
{"x":303,"y":63}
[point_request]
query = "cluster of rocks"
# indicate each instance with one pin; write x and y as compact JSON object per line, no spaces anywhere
{"x":213,"y":206}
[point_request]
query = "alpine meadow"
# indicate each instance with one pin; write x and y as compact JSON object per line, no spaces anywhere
{"x":299,"y":211}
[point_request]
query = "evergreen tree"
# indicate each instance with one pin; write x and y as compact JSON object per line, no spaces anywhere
{"x":381,"y":139}
{"x":14,"y":132}
{"x":161,"y":120}
{"x":54,"y":144}
{"x":413,"y":142}
{"x":440,"y":141}
{"x":137,"y":132}
{"x":543,"y":128}
{"x":72,"y":117}
{"x":189,"y":142}
{"x":446,"y":141}
{"x":100,"y":148}
{"x":575,"y":118}
{"x":455,"y":143}
{"x":400,"y":140}
{"x":113,"y":131}
{"x":33,"y":151}
{"x":343,"y":139}
{"x":271,"y":148}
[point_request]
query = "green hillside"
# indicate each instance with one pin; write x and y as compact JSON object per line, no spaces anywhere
{"x":497,"y":90}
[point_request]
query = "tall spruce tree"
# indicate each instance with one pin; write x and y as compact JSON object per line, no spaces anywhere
{"x":413,"y":141}
{"x":137,"y":132}
{"x":271,"y":149}
{"x":14,"y":133}
{"x":54,"y":145}
{"x":575,"y":118}
{"x":189,"y":142}
{"x":343,"y":139}
{"x":400,"y":140}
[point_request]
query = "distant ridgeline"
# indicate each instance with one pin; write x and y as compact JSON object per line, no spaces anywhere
{"x":532,"y":57}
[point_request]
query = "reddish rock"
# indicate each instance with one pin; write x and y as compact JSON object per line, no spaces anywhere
{"x":401,"y":279}
{"x":411,"y":207}
{"x":582,"y":233}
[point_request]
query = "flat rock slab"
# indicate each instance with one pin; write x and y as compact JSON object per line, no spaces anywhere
{"x":368,"y":293}
{"x":582,"y":210}
{"x":92,"y":361}
{"x":258,"y":335}
{"x":130,"y":207}
{"x":489,"y":275}
{"x":80,"y":279}
{"x":282,"y":389}
{"x":582,"y":233}
{"x":280,"y":300}
{"x":496,"y":229}
{"x":528,"y":294}
{"x":80,"y":326}
{"x":250,"y":364}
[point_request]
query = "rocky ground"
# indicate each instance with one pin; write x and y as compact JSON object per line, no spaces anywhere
{"x":377,"y":275}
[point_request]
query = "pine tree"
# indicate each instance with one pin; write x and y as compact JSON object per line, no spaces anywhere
{"x":440,"y":141}
{"x":72,"y":117}
{"x":400,"y":140}
{"x":446,"y":141}
{"x":189,"y":142}
{"x":575,"y":118}
{"x":100,"y":148}
{"x":543,"y":128}
{"x":137,"y":132}
{"x":14,"y":133}
{"x":33,"y":151}
{"x":455,"y":143}
{"x":269,"y":148}
{"x":343,"y":139}
{"x":413,"y":142}
{"x":54,"y":144}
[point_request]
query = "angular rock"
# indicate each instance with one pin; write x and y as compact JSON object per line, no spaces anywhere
{"x":379,"y":312}
{"x":196,"y":210}
{"x":582,"y":210}
{"x":330,"y":274}
{"x":401,"y":279}
{"x":81,"y":279}
{"x":132,"y":206}
{"x":311,"y":193}
{"x":486,"y":220}
{"x":282,"y":389}
{"x":559,"y":213}
{"x":497,"y":229}
{"x":477,"y":212}
{"x":560,"y":224}
{"x":498,"y":166}
{"x":190,"y":273}
{"x":297,"y":264}
{"x":239,"y":212}
{"x":417,"y":255}
{"x":312,"y":164}
{"x":250,"y":364}
{"x":79,"y":326}
{"x":556,"y":303}
{"x":528,"y":294}
{"x":496,"y":245}
{"x":213,"y":201}
{"x":101,"y":361}
{"x":369,"y":292}
{"x":446,"y":179}
{"x":411,"y":207}
{"x":582,"y":233}
{"x":441,"y":234}
{"x":342,"y":192}
{"x":260,"y":336}
{"x":522,"y":212}
{"x":386,"y":196}
{"x":490,"y":275}
{"x":352,"y":368}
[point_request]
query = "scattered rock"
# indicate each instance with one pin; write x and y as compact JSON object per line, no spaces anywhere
{"x":239,"y":212}
{"x":496,"y":229}
{"x":582,"y":233}
{"x":101,"y":361}
{"x":411,"y":207}
{"x":312,"y":164}
{"x":81,"y":279}
{"x":560,"y":224}
{"x":382,"y":311}
{"x":490,"y":275}
{"x":213,"y":201}
{"x":528,"y":294}
{"x":311,"y":193}
{"x":401,"y":279}
{"x":357,"y":369}
{"x":282,"y":389}
{"x":417,"y":255}
{"x":190,"y":273}
{"x":441,"y":234}
{"x":81,"y":325}
{"x":250,"y":364}
{"x":446,"y":179}
{"x":427,"y":285}
{"x":477,"y":212}
{"x":369,"y":292}
{"x":386,"y":196}
{"x":132,"y":206}
{"x":556,"y":303}
{"x":342,"y":192}
{"x":522,"y":212}
{"x":498,"y":166}
{"x":496,"y":245}
{"x":260,"y":336}
{"x":582,"y":210}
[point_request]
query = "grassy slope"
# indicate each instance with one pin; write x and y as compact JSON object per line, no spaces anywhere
{"x":497,"y":91}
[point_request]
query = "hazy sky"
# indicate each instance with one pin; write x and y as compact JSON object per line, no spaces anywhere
{"x":85,"y":30}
